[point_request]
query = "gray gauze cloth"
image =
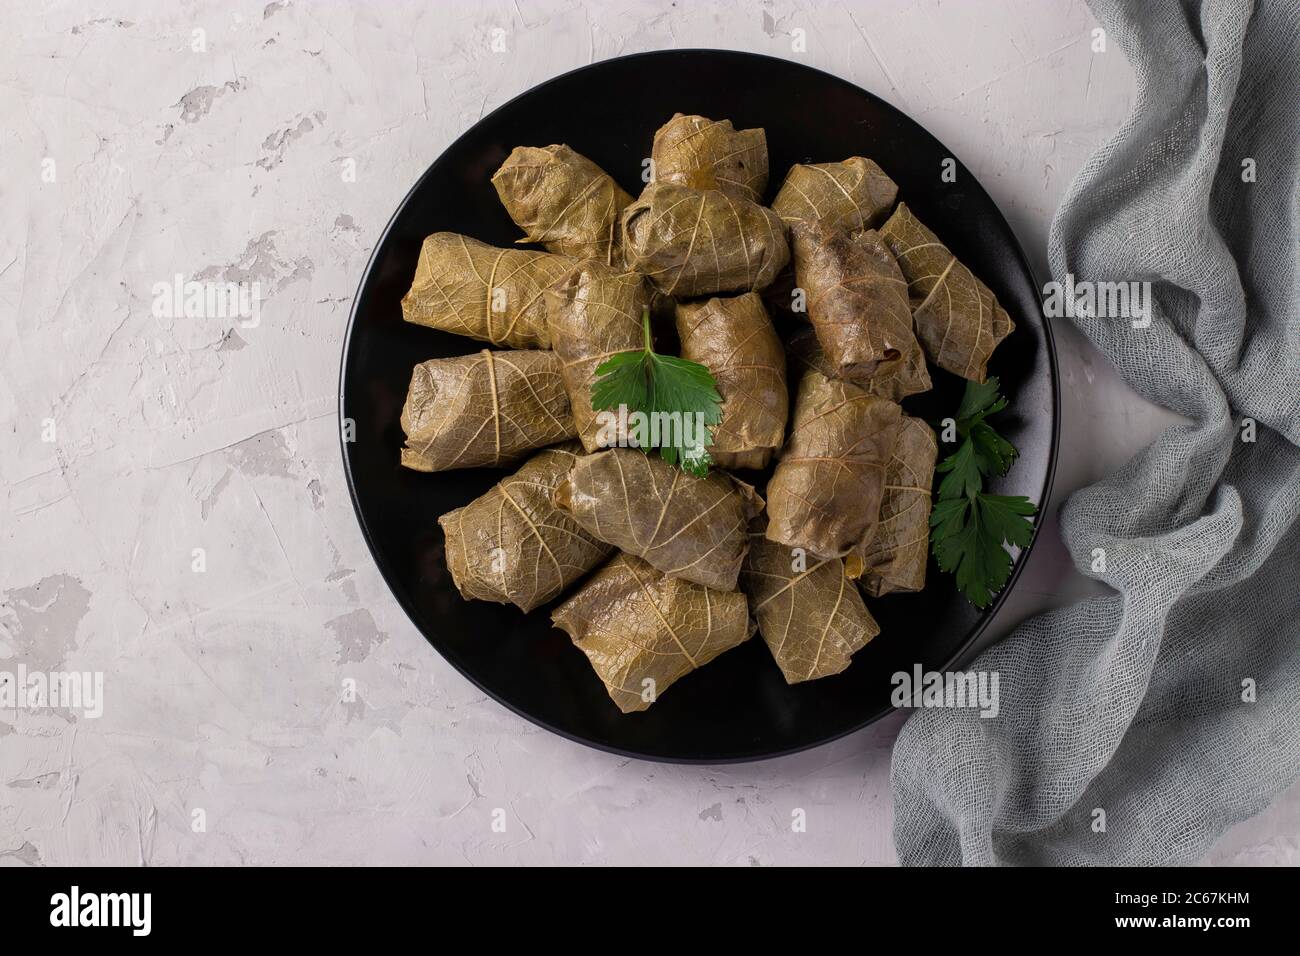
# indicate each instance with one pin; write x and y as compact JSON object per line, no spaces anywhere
{"x":1173,"y":706}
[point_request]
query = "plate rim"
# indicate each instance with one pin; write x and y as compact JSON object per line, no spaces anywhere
{"x":958,"y":657}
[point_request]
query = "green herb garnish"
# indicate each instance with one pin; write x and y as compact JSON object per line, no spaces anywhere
{"x":644,"y":381}
{"x":970,"y":529}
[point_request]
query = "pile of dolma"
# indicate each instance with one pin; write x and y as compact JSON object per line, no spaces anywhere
{"x":664,"y":571}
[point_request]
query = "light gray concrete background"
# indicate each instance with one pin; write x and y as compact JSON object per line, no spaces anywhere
{"x":141,"y":142}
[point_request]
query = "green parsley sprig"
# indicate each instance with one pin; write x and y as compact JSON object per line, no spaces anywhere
{"x":969,"y":528}
{"x":645,"y":381}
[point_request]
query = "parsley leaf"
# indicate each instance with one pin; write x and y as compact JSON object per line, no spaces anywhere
{"x":969,"y":534}
{"x":963,"y":473}
{"x":970,"y":529}
{"x":993,"y":453}
{"x":624,"y":381}
{"x":644,"y":381}
{"x":981,"y":399}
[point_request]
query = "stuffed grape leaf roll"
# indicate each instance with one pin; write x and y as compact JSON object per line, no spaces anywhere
{"x":894,"y":556}
{"x":810,"y":615}
{"x":696,"y":242}
{"x":490,"y":409}
{"x":643,"y":630}
{"x":849,"y":196}
{"x":701,"y":153}
{"x":593,"y":315}
{"x":687,"y":527}
{"x":735,"y":339}
{"x":957,"y":317}
{"x":857,"y":304}
{"x":825,"y":493}
{"x":892,"y":380}
{"x":494,"y":295}
{"x":512,"y":545}
{"x":563,"y":200}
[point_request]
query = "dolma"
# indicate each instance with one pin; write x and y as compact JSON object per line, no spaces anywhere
{"x":687,"y":527}
{"x":957,"y":317}
{"x":594,"y":314}
{"x":825,"y":493}
{"x":512,"y":545}
{"x":809,"y":614}
{"x":734,"y":337}
{"x":849,"y":196}
{"x":701,"y":153}
{"x":642,"y":630}
{"x":494,"y":295}
{"x":894,"y":556}
{"x":857,"y":304}
{"x":892,"y":380}
{"x":563,"y":200}
{"x":491,"y":408}
{"x":696,"y":242}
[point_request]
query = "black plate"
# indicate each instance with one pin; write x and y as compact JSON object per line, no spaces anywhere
{"x":738,"y":707}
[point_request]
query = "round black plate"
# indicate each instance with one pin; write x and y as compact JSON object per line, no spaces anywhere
{"x":738,"y":707}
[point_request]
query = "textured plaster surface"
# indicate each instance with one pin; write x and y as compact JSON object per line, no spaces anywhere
{"x":131,"y":157}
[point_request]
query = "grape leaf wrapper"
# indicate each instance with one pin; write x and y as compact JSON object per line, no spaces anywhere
{"x":849,"y":196}
{"x":701,"y":153}
{"x":809,"y":614}
{"x":687,"y":527}
{"x":957,"y":317}
{"x":697,"y":242}
{"x":735,"y":339}
{"x":594,"y":315}
{"x":824,"y":495}
{"x":894,"y":556}
{"x":494,"y":295}
{"x":891,"y":380}
{"x":642,"y":630}
{"x":563,"y":201}
{"x":487,"y":409}
{"x":512,"y":545}
{"x":857,"y":305}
